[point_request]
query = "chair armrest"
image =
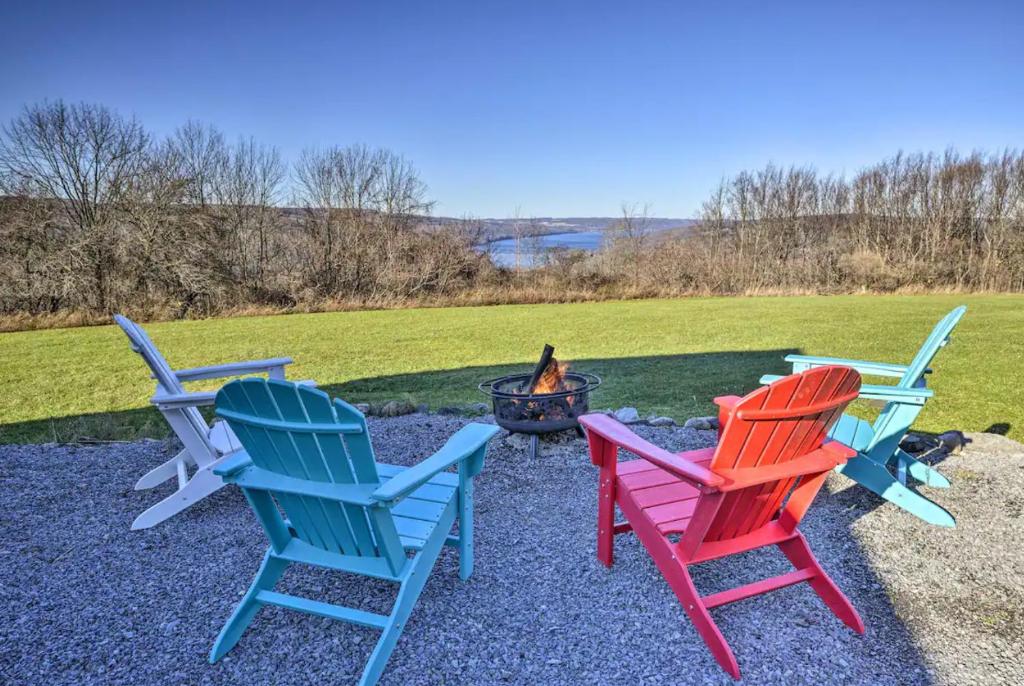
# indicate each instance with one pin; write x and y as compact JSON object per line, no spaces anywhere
{"x":908,"y":396}
{"x":168,"y":401}
{"x":821,"y":460}
{"x":465,"y":443}
{"x":727,"y":401}
{"x":804,"y":362}
{"x":725,"y":404}
{"x":220,"y":371}
{"x":256,"y":478}
{"x":233,"y":464}
{"x":617,"y":433}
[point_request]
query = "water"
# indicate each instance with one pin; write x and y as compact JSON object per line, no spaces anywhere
{"x":503,"y":252}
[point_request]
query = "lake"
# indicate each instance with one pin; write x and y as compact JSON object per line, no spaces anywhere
{"x":503,"y":252}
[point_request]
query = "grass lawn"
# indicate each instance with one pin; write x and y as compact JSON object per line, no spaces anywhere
{"x":662,"y":356}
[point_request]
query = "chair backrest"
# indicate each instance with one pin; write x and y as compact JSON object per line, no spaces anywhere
{"x":164,"y":375}
{"x":142,"y":344}
{"x":776,"y":423}
{"x":295,"y":431}
{"x":938,"y":338}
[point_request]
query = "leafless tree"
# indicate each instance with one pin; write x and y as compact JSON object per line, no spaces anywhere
{"x":246,"y":190}
{"x":201,"y":155}
{"x":362,"y":210}
{"x":633,"y":232}
{"x":83,"y":156}
{"x":533,"y":242}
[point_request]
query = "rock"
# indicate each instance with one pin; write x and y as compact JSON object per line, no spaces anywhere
{"x":701,"y":423}
{"x":470,"y":410}
{"x":627,"y":415}
{"x":661,"y":421}
{"x":363,"y":407}
{"x":423,"y":408}
{"x":395,"y":408}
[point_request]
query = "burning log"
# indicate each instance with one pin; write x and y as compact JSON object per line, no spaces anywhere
{"x":538,"y":371}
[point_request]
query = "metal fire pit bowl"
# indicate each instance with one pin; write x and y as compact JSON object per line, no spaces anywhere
{"x":540,"y":413}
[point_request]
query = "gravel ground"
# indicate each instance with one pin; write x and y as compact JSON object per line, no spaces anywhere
{"x":84,"y":600}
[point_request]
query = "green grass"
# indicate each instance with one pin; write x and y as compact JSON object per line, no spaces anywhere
{"x":662,"y":356}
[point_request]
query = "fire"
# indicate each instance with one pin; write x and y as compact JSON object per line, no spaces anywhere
{"x":553,"y":379}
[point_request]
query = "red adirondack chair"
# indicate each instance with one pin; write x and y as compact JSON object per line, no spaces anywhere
{"x":750,"y":491}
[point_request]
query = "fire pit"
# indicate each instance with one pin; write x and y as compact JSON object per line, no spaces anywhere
{"x":547,"y":401}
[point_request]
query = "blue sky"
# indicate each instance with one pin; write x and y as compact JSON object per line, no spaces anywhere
{"x":558,"y":108}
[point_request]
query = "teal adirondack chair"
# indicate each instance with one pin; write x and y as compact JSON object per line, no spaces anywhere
{"x":880,"y":465}
{"x":344,"y":510}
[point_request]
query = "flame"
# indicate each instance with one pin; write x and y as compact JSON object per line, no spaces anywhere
{"x":553,"y":378}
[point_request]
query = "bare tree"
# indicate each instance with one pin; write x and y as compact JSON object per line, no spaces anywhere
{"x":246,"y":190}
{"x":633,"y":231}
{"x":200,"y":153}
{"x":167,"y":253}
{"x":518,"y":232}
{"x":83,"y":156}
{"x":371,"y":202}
{"x":533,"y":242}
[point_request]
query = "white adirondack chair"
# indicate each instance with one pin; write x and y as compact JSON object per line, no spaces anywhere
{"x":205,"y":446}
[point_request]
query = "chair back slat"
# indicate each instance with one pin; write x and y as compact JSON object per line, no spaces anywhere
{"x":775,"y":424}
{"x":938,"y":338}
{"x":142,"y":344}
{"x":163,"y":373}
{"x":295,"y":431}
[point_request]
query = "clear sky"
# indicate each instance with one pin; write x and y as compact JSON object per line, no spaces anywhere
{"x":558,"y":108}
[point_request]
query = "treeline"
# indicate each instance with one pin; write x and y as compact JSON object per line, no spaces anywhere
{"x":918,"y":221}
{"x":98,"y":215}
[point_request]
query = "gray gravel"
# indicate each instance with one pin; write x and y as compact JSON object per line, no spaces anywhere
{"x":84,"y":600}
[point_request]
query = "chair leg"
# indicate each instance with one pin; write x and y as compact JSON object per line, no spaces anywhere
{"x":160,"y":474}
{"x":799,"y":554}
{"x":678,"y":577}
{"x":203,"y":483}
{"x":422,"y":565}
{"x":268,"y":576}
{"x":404,"y":605}
{"x":877,"y":479}
{"x":466,"y":529}
{"x":606,"y":518}
{"x":924,"y":473}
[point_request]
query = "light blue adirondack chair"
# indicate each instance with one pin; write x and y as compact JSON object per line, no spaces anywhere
{"x":880,"y":465}
{"x":344,"y":510}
